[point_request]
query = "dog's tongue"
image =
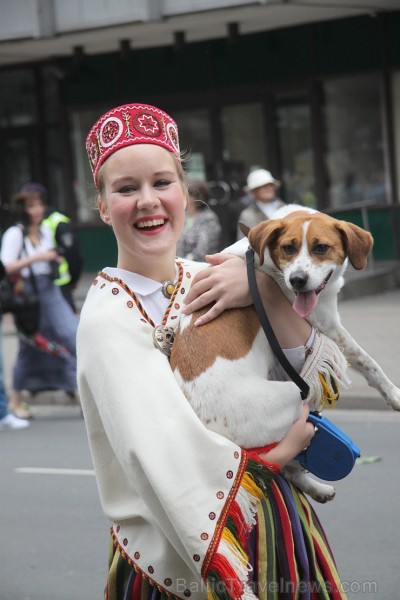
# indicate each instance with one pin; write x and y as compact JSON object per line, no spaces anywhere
{"x":304,"y":303}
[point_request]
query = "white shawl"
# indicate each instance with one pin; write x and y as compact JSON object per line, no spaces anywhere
{"x":165,"y":480}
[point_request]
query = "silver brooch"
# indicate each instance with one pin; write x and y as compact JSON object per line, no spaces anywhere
{"x":163,"y":338}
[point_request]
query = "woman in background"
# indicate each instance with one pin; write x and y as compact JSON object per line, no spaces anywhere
{"x":47,"y":360}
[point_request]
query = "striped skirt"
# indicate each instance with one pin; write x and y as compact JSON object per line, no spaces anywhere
{"x":288,"y":550}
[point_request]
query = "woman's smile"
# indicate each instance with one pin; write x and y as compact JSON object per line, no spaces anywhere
{"x":151,"y":225}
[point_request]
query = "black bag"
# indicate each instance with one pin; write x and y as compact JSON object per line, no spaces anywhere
{"x":2,"y":271}
{"x":21,"y":302}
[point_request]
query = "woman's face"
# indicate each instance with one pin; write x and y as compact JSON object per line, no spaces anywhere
{"x":265,"y":193}
{"x":35,"y":209}
{"x":143,"y":199}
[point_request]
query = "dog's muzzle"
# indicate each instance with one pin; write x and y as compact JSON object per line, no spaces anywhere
{"x":298,"y":280}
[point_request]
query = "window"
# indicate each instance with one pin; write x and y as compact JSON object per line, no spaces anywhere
{"x":294,"y":130}
{"x":396,"y":109}
{"x":85,"y":190}
{"x":354,"y":136}
{"x":195,"y":142}
{"x":17,"y":98}
{"x":244,"y":144}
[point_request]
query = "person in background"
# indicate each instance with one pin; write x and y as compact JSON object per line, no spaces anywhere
{"x":202,"y":231}
{"x":47,"y":360}
{"x":64,"y":239}
{"x":181,"y":497}
{"x":263,"y":188}
{"x":7,"y":419}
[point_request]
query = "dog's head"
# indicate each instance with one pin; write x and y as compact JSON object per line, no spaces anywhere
{"x":309,"y":248}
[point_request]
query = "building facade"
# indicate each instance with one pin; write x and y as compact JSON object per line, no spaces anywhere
{"x":314,"y":97}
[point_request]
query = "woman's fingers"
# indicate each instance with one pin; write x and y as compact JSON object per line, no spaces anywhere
{"x":219,"y":258}
{"x":210,"y":315}
{"x":224,"y":285}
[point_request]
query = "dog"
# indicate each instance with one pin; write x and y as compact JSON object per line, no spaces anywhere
{"x":227,"y":369}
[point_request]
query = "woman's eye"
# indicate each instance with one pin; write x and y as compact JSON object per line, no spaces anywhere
{"x":162,"y":183}
{"x":320,"y":248}
{"x":127,"y":189}
{"x":289,"y":248}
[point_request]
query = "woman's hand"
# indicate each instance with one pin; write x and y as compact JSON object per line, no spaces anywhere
{"x":295,"y":441}
{"x":225,"y":285}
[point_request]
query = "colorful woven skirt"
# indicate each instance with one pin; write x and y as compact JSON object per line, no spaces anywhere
{"x":288,"y":550}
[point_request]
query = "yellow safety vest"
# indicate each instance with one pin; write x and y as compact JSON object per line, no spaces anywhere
{"x":52,"y":222}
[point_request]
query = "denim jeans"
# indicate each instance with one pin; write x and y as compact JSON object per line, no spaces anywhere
{"x":3,"y":397}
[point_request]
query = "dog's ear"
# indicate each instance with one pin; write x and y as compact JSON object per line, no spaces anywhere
{"x":358,"y":243}
{"x":244,"y":228}
{"x":262,"y":235}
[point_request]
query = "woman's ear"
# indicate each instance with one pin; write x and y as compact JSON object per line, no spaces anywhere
{"x":103,"y":210}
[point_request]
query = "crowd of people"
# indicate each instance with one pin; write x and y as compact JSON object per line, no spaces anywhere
{"x":179,"y":496}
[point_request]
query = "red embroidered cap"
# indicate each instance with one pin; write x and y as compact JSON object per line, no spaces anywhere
{"x":128,"y":125}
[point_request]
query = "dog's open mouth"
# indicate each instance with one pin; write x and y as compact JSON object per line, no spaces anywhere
{"x":305,"y":302}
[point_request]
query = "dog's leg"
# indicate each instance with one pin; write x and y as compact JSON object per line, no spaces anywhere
{"x":367,"y":366}
{"x":320,"y":492}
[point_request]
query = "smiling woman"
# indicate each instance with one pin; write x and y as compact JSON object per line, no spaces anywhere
{"x":183,"y":499}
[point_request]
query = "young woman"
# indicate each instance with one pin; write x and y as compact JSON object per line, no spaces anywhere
{"x":46,"y":361}
{"x":193,"y":514}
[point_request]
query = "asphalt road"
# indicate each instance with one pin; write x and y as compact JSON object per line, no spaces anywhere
{"x":54,"y":537}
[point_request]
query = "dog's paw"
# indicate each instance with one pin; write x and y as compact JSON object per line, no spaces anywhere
{"x":393,"y":400}
{"x":323,"y":493}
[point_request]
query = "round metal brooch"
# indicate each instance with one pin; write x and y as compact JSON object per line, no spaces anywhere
{"x":163,"y":338}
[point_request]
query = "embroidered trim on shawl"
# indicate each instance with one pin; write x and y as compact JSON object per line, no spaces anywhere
{"x":139,"y":570}
{"x":132,"y":294}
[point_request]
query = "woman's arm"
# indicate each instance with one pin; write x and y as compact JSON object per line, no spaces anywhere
{"x":226,"y":286}
{"x":17,"y":265}
{"x":11,"y":249}
{"x":297,"y":438}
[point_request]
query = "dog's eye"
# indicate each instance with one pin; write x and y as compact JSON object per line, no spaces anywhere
{"x":289,"y":248}
{"x":321,"y":248}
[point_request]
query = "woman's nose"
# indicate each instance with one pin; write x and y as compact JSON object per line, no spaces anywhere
{"x":148,"y":197}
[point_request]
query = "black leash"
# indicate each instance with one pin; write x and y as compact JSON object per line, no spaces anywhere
{"x":269,"y":332}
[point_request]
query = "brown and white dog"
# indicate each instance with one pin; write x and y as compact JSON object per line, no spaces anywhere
{"x":227,"y":369}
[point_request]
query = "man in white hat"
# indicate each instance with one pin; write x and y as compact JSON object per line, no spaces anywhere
{"x":263,"y":187}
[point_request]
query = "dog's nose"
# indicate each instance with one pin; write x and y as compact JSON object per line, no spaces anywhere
{"x":298,"y":280}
